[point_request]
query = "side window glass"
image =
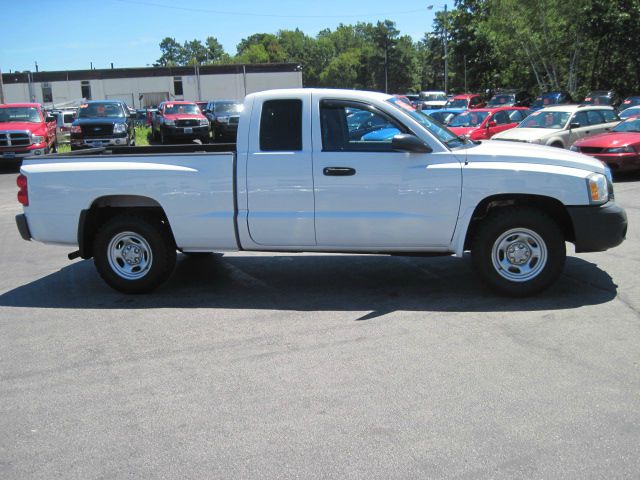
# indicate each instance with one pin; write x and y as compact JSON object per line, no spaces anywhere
{"x":594,"y":117}
{"x":281,"y":125}
{"x":501,"y":118}
{"x":350,"y":127}
{"x":609,"y":116}
{"x":514,"y":116}
{"x":581,"y":118}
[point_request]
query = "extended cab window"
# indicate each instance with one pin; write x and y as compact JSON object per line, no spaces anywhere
{"x":610,"y":116}
{"x":595,"y":118}
{"x":281,"y":125}
{"x":356,"y":127}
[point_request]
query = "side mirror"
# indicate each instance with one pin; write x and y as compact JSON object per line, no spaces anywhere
{"x":573,"y":125}
{"x":404,"y":142}
{"x":50,"y":118}
{"x":491,"y":124}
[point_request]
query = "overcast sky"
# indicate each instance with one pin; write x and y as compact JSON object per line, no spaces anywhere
{"x":69,"y":34}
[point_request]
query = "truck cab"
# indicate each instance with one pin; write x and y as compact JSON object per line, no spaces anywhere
{"x":26,"y":130}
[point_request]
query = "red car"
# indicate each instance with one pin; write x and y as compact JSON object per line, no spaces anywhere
{"x":180,"y":120}
{"x":484,"y":123}
{"x":26,"y":129}
{"x":466,"y":101}
{"x":619,"y":148}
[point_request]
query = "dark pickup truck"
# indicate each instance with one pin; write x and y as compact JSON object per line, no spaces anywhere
{"x":102,"y":123}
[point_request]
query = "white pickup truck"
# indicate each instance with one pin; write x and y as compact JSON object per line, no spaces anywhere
{"x":308,"y":175}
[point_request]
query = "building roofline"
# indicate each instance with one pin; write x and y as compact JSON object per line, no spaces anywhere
{"x":114,"y":73}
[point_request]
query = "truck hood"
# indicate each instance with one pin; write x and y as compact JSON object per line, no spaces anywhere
{"x":98,"y":121}
{"x":507,"y":152}
{"x":35,"y":128}
{"x":526,"y":134}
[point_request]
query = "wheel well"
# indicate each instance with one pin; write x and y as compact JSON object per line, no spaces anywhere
{"x":552,"y":207}
{"x":105,"y":208}
{"x":557,"y":143}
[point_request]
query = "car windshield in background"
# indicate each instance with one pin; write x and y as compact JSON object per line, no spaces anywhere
{"x":100,"y":110}
{"x":501,"y":100}
{"x":19,"y":114}
{"x":469,"y":119}
{"x":542,"y":119}
{"x":443,"y":134}
{"x":544,"y":101}
{"x":631,"y":125}
{"x":597,"y":100}
{"x":187,"y":108}
{"x":68,"y":118}
{"x":228,"y":107}
{"x":459,"y":103}
{"x":433,"y":97}
{"x":630,"y":112}
{"x":630,"y":102}
{"x":442,"y":117}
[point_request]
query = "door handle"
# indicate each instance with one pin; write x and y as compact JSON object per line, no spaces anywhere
{"x":339,"y":171}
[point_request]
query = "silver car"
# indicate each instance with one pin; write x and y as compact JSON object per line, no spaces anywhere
{"x":64,"y":119}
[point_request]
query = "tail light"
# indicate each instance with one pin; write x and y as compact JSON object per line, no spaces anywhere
{"x":76,"y":129}
{"x":23,"y":194}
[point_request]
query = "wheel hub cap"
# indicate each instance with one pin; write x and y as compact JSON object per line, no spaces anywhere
{"x":519,"y":255}
{"x":130,"y":255}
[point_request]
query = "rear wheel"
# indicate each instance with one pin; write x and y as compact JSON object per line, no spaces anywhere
{"x":519,"y":251}
{"x":134,"y":253}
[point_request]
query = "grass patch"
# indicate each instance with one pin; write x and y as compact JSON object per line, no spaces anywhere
{"x":64,"y":148}
{"x":143,"y":136}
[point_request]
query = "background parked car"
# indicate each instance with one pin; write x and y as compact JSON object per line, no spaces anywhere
{"x":510,"y":98}
{"x":484,"y":123}
{"x":26,"y":129}
{"x":562,"y":125}
{"x":432,"y":100}
{"x":414,"y":98}
{"x":629,"y":112}
{"x":180,"y":120}
{"x":632,"y":101}
{"x":619,"y":148}
{"x":64,"y":119}
{"x":465,"y":101}
{"x":602,"y":97}
{"x":100,"y":123}
{"x":549,"y":99}
{"x":224,"y":116}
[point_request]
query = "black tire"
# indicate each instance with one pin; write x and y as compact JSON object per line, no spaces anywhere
{"x":159,"y":242}
{"x":198,"y":254}
{"x":163,"y":138}
{"x":154,"y":134}
{"x":204,"y":140}
{"x":532,"y":232}
{"x":54,"y":149}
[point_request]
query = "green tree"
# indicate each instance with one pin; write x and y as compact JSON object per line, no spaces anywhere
{"x":172,"y":53}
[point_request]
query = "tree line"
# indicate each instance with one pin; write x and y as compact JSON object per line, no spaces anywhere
{"x":537,"y":45}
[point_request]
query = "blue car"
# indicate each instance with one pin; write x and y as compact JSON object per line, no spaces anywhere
{"x":382,"y":135}
{"x":549,"y":99}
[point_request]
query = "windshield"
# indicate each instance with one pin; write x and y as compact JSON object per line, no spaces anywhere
{"x":187,"y":108}
{"x":441,"y":132}
{"x":20,"y":114}
{"x":433,"y":97}
{"x":630,"y":112}
{"x":100,"y":110}
{"x":442,"y":117}
{"x":542,"y":119}
{"x":498,"y":100}
{"x":469,"y":119}
{"x":631,"y":125}
{"x":227,"y":107}
{"x":597,"y":100}
{"x":457,"y":103}
{"x":544,"y":100}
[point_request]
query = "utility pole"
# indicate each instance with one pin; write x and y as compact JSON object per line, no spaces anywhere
{"x":446,"y":57}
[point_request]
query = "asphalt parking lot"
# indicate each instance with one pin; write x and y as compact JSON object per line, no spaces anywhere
{"x":317,"y":366}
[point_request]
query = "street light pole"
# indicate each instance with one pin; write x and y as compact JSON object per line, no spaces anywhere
{"x":446,"y":57}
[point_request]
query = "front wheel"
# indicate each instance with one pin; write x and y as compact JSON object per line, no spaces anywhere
{"x":134,"y":253}
{"x":519,"y":251}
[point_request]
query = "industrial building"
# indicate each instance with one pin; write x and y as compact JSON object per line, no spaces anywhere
{"x":145,"y":87}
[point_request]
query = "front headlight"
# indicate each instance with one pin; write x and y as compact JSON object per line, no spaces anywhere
{"x":119,"y":128}
{"x":37,"y":138}
{"x":169,"y":123}
{"x":203,"y":122}
{"x":627,"y":149}
{"x":598,"y":189}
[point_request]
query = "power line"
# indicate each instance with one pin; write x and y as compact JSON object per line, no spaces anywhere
{"x":270,"y":15}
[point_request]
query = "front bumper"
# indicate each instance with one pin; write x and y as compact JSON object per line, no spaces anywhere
{"x":598,"y":228}
{"x":23,"y":227}
{"x":185,"y":132}
{"x":20,"y":154}
{"x":620,"y":162}
{"x":77,"y":143}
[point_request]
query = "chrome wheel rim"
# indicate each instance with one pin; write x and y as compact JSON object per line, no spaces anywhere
{"x":130,"y":255}
{"x":519,"y":255}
